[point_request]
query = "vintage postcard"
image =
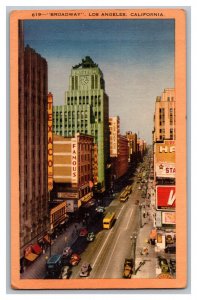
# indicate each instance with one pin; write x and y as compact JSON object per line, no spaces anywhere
{"x":98,"y":149}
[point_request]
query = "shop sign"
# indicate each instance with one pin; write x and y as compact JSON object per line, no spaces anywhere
{"x":69,"y":206}
{"x":165,"y":170}
{"x":67,"y":195}
{"x":165,"y":151}
{"x":169,"y":218}
{"x":166,"y":197}
{"x":50,"y":142}
{"x":87,"y":197}
{"x":158,"y":222}
{"x":160,"y":240}
{"x":74,"y":161}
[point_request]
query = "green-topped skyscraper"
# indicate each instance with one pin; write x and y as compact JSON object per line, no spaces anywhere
{"x":86,"y":110}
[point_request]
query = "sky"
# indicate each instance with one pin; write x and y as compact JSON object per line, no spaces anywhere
{"x":135,"y":56}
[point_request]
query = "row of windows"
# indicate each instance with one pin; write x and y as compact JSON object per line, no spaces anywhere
{"x":84,"y":100}
{"x":84,"y":191}
{"x":84,"y":178}
{"x":71,"y":133}
{"x":86,"y":168}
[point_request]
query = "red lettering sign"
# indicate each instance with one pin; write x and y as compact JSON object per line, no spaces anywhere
{"x":166,"y":197}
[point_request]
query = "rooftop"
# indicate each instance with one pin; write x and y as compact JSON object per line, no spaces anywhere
{"x":87,"y":62}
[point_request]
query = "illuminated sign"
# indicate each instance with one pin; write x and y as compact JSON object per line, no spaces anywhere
{"x":166,"y":197}
{"x":166,"y":170}
{"x":50,"y":142}
{"x":74,"y":162}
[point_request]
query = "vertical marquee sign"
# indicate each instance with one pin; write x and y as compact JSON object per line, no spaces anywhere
{"x":74,"y":161}
{"x":50,"y":142}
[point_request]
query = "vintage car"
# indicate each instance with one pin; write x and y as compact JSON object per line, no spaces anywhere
{"x":128,"y":268}
{"x":85,"y":270}
{"x":90,"y":237}
{"x":66,"y":272}
{"x":83,"y":231}
{"x":75,"y":259}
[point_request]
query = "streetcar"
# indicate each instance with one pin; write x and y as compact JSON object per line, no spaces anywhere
{"x":108,"y":220}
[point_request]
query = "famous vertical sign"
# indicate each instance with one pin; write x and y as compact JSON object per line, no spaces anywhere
{"x":74,"y":161}
{"x":50,"y":141}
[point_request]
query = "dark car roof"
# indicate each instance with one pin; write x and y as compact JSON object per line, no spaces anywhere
{"x":54,"y":259}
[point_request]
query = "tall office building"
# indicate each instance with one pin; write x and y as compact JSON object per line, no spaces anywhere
{"x":165,"y":116}
{"x":33,"y":185}
{"x":119,"y":150}
{"x":86,"y":111}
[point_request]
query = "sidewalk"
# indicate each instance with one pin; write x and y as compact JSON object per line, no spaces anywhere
{"x":150,"y":267}
{"x":37,"y":268}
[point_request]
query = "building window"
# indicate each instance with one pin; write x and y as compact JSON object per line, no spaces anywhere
{"x":96,"y":81}
{"x":76,"y":82}
{"x":73,"y":84}
{"x":171,"y":133}
{"x":92,"y":82}
{"x":171,"y":116}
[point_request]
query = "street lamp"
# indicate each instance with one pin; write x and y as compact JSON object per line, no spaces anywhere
{"x":140,"y":216}
{"x":133,"y":248}
{"x":50,"y":231}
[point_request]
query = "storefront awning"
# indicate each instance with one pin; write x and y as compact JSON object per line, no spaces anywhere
{"x":36,"y":249}
{"x":31,"y":256}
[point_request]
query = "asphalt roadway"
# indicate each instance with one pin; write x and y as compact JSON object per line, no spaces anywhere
{"x":106,"y":254}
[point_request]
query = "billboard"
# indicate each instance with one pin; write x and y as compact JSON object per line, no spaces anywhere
{"x":166,"y":197}
{"x":165,"y":170}
{"x":165,"y":151}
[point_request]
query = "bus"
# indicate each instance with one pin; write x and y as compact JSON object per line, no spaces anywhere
{"x":129,"y":188}
{"x":124,"y":196}
{"x":108,"y":220}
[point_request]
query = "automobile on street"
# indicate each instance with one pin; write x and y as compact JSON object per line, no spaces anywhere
{"x":90,"y":237}
{"x":66,"y":272}
{"x":75,"y":259}
{"x":85,"y":270}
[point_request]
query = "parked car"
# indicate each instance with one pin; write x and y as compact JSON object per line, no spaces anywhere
{"x":75,"y":259}
{"x":54,"y":266}
{"x":83,"y":231}
{"x":66,"y":272}
{"x":85,"y":270}
{"x":90,"y":237}
{"x":67,"y":252}
{"x":100,"y":209}
{"x":128,"y":268}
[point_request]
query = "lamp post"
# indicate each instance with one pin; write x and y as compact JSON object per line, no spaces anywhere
{"x":140,"y":215}
{"x":50,"y":231}
{"x":133,"y":248}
